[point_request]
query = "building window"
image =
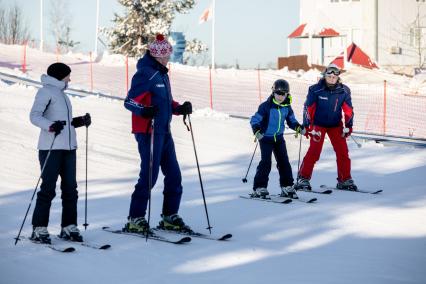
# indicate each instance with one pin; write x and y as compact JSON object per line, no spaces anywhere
{"x":334,"y":1}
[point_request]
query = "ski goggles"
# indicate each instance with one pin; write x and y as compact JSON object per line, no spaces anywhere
{"x":281,"y":93}
{"x":332,"y":70}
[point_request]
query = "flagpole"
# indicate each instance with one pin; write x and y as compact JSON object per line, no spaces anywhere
{"x":41,"y":25}
{"x":213,"y":24}
{"x":97,"y":27}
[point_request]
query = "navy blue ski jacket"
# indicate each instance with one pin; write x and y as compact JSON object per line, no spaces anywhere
{"x":270,"y":118}
{"x":150,"y":87}
{"x":324,"y":106}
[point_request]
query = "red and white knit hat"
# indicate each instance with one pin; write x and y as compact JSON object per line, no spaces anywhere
{"x":160,"y":47}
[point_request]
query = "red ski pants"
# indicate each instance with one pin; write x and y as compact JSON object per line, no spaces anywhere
{"x":315,"y":148}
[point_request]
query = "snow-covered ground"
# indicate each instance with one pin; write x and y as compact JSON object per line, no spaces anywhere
{"x":343,"y":238}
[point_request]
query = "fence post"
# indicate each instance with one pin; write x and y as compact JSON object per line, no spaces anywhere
{"x":384,"y":106}
{"x":57,"y":53}
{"x":258,"y":83}
{"x":91,"y":73}
{"x":24,"y":58}
{"x":211,"y":87}
{"x":127,"y":74}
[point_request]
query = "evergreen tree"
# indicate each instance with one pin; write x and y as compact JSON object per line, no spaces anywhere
{"x":143,"y":19}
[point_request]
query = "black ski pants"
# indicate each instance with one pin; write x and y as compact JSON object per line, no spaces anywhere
{"x":60,"y":163}
{"x":267,"y":147}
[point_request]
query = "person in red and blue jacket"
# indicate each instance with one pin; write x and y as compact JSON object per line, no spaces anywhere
{"x":325,"y":103}
{"x":268,"y":125}
{"x":151,"y":103}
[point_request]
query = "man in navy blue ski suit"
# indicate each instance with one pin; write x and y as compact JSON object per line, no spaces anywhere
{"x":268,"y":126}
{"x":150,"y":100}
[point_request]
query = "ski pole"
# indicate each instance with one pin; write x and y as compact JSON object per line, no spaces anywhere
{"x":198,"y":167}
{"x":85,"y":201}
{"x":356,"y":142}
{"x":255,"y":148}
{"x":298,"y":162}
{"x":35,"y":189}
{"x":151,"y":155}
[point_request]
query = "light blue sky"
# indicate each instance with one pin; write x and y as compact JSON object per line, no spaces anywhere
{"x":250,"y":31}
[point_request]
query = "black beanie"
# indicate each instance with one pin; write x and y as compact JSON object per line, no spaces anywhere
{"x":58,"y":70}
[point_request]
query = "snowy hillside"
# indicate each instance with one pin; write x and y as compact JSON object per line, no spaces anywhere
{"x":343,"y":238}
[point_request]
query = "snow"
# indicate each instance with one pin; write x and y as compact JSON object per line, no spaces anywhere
{"x":344,"y":238}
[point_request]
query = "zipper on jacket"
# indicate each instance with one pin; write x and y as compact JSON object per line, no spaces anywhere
{"x":335,"y":106}
{"x":69,"y":125}
{"x":279,"y":124}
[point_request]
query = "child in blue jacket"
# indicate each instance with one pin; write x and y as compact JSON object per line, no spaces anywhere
{"x":268,"y":127}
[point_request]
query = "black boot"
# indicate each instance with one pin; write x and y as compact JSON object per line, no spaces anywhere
{"x":71,"y":232}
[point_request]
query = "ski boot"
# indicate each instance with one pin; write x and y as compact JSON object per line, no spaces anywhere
{"x":260,"y":192}
{"x":289,"y":192}
{"x":303,"y":184}
{"x":41,"y":235}
{"x":137,"y":225}
{"x":174,"y":223}
{"x":347,"y":185}
{"x":72,"y":233}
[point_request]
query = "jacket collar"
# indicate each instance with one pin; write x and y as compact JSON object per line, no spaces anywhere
{"x":148,"y":61}
{"x":323,"y":86}
{"x":47,"y":80}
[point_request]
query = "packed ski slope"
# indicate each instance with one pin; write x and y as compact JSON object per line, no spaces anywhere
{"x":343,"y":238}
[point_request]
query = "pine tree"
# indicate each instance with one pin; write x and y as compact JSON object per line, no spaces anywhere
{"x":143,"y":19}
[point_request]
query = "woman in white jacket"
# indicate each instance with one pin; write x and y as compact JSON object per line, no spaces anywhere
{"x":52,"y":112}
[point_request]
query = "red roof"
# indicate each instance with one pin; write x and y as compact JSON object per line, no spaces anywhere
{"x":297,"y":32}
{"x":328,"y":33}
{"x":355,"y":56}
{"x":302,"y":32}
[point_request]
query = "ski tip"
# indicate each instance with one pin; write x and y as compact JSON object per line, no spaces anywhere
{"x":69,"y":249}
{"x":184,"y":240}
{"x":105,"y":228}
{"x":377,"y":191}
{"x":312,"y":200}
{"x":286,"y":201}
{"x":105,"y":247}
{"x":225,"y":237}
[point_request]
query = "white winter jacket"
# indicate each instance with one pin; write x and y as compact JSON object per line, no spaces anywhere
{"x":51,"y":104}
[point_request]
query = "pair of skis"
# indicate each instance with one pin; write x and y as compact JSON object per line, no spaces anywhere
{"x":324,"y":189}
{"x":275,"y":198}
{"x":331,"y":188}
{"x":54,"y":245}
{"x":154,"y":235}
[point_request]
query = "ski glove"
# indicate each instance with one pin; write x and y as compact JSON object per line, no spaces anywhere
{"x":185,"y":108}
{"x":57,"y":127}
{"x":347,"y":131}
{"x":258,"y":135}
{"x":300,"y":129}
{"x":79,"y":121}
{"x":149,"y":111}
{"x":308,"y":130}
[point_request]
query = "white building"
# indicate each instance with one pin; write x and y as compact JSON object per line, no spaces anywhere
{"x":391,"y":32}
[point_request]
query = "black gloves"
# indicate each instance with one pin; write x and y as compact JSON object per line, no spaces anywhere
{"x":300,"y":129}
{"x":57,"y":127}
{"x":79,"y":121}
{"x":149,"y":111}
{"x":185,"y":108}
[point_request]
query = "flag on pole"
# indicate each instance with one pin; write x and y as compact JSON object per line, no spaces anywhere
{"x":206,"y":15}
